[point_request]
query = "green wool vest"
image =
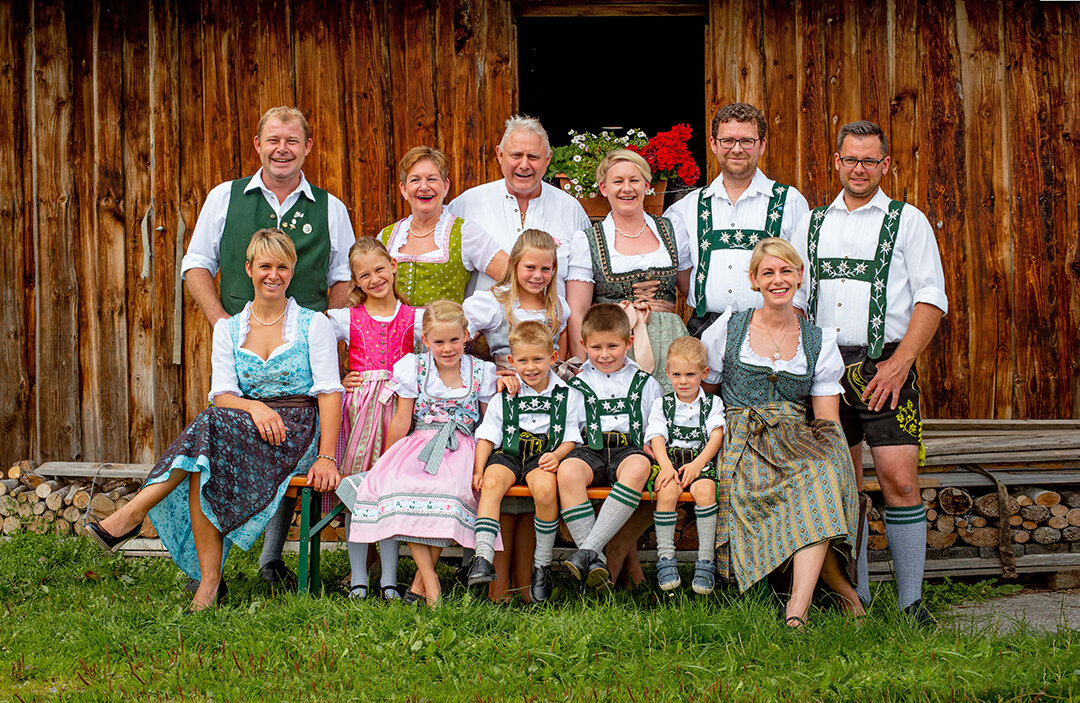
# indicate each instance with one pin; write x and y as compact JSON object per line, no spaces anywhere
{"x":307,"y":224}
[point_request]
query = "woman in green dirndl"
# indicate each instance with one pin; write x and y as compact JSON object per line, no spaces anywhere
{"x":788,"y":498}
{"x":633,"y":263}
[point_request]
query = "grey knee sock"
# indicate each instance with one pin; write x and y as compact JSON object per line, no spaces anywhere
{"x":905,"y":529}
{"x":487,"y":530}
{"x":706,"y":531}
{"x":665,"y":533}
{"x":862,"y":589}
{"x":276,"y":531}
{"x":545,"y":540}
{"x":388,"y":554}
{"x":579,"y":520}
{"x":617,"y":508}
{"x":358,"y":563}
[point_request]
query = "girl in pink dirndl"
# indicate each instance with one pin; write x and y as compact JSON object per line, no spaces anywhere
{"x":379,"y":329}
{"x":420,"y":489}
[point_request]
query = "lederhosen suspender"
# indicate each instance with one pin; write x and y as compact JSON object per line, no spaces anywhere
{"x":630,"y":406}
{"x":875,"y":272}
{"x":513,"y":408}
{"x":710,"y":240}
{"x":697,"y":435}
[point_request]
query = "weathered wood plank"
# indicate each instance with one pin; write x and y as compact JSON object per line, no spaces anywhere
{"x":945,"y":203}
{"x":871,"y":32}
{"x":905,"y":81}
{"x":500,"y":91}
{"x":843,"y":87}
{"x":16,"y":244}
{"x":58,"y":423}
{"x":815,"y":135}
{"x":411,"y":74}
{"x":164,"y":183}
{"x":782,"y":157}
{"x":263,"y":69}
{"x":983,"y":74}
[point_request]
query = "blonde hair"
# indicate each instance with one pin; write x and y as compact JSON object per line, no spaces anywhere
{"x":367,"y":245}
{"x":508,"y":291}
{"x":618,"y":156}
{"x":605,"y":317}
{"x":532,"y":332}
{"x":688,"y":349}
{"x":444,"y":312}
{"x":773,"y":246}
{"x":285,"y":114}
{"x":274,"y":243}
{"x":419,"y":153}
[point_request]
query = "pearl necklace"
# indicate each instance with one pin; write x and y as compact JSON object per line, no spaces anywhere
{"x":425,"y":234}
{"x":632,"y":236}
{"x":272,"y":322}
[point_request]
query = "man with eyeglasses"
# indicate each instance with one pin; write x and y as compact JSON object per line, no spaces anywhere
{"x":716,"y":227}
{"x":873,"y":273}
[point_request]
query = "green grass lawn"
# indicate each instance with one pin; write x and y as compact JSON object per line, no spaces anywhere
{"x":77,"y":625}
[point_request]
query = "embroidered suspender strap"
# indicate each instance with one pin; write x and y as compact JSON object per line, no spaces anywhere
{"x":629,"y":406}
{"x":554,"y":407}
{"x":637,"y":425}
{"x":593,"y":435}
{"x":710,"y":240}
{"x":875,"y":272}
{"x":682,"y":432}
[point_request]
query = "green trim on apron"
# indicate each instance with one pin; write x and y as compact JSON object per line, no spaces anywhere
{"x":873,"y":271}
{"x":710,"y":240}
{"x":611,"y":287}
{"x":554,"y":407}
{"x":630,"y":405}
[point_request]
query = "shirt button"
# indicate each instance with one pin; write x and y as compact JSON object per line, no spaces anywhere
{"x":842,"y":280}
{"x":839,"y":305}
{"x":273,"y":217}
{"x":729,"y":265}
{"x":838,"y":330}
{"x":729,"y":290}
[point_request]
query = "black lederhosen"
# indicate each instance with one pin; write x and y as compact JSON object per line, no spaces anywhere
{"x":887,"y":427}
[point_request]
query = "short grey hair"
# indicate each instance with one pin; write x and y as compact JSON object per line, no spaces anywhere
{"x":524,"y":123}
{"x":862,"y":128}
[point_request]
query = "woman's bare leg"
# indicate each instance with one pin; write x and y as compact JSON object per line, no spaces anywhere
{"x":837,"y":581}
{"x":805,"y":569}
{"x":425,"y":558}
{"x":208,"y":545}
{"x":132,"y":514}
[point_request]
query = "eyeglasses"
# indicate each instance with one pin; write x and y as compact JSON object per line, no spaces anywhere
{"x":747,"y":143}
{"x":868,"y":164}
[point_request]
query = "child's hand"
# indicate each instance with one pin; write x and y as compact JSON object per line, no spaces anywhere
{"x":477,"y":479}
{"x":508,"y":382}
{"x":667,"y":475}
{"x":690,"y":472}
{"x":351,"y":380}
{"x":549,"y":462}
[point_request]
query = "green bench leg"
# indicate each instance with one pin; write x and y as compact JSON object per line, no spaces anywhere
{"x":315,"y":544}
{"x":305,"y":547}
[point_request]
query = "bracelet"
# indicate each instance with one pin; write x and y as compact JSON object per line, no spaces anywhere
{"x":327,"y":456}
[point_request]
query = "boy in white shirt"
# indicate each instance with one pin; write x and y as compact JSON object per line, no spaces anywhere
{"x":686,"y":431}
{"x":616,"y":392}
{"x":523,"y":440}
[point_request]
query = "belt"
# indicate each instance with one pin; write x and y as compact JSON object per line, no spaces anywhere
{"x":288,"y":401}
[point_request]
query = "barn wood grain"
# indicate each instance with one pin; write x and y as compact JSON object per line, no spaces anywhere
{"x":983,"y":77}
{"x":500,"y":84}
{"x":905,"y":83}
{"x":782,"y":157}
{"x":945,"y":203}
{"x":815,"y":170}
{"x":15,"y":246}
{"x":136,"y":165}
{"x":164,"y":184}
{"x":58,"y":425}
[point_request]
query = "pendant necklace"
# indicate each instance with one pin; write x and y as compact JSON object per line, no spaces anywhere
{"x":776,"y":354}
{"x":272,"y":322}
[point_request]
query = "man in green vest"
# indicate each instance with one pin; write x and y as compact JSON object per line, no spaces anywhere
{"x":278,"y":195}
{"x":873,"y":280}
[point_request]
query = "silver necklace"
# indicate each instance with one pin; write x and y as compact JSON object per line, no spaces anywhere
{"x":632,"y":236}
{"x":776,"y":354}
{"x":272,"y":322}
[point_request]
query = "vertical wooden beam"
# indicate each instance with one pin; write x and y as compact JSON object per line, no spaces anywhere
{"x":844,"y":87}
{"x":941,"y":122}
{"x":137,"y":199}
{"x":816,"y":180}
{"x":905,"y":79}
{"x":58,"y":422}
{"x":15,"y":242}
{"x":500,"y":89}
{"x":781,"y":108}
{"x":263,"y":68}
{"x":869,"y":36}
{"x":165,"y":148}
{"x":988,"y":278}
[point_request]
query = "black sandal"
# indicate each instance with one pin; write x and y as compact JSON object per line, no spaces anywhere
{"x":799,"y":622}
{"x":391,"y":593}
{"x":354,"y":591}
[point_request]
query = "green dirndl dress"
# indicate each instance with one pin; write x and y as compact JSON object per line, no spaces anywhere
{"x":785,"y":482}
{"x":610,"y":287}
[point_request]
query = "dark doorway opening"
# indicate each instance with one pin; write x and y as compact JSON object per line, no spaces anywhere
{"x":595,"y":73}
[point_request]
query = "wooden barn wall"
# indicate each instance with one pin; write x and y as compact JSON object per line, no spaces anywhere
{"x":122,"y":115}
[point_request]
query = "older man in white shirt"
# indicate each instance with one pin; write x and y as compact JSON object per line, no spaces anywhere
{"x":873,"y":273}
{"x":716,"y":227}
{"x":520,"y":200}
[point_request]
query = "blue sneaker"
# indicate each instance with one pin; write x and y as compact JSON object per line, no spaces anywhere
{"x":704,"y":577}
{"x":667,"y":574}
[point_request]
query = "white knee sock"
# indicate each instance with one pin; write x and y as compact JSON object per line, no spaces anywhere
{"x":706,"y":531}
{"x":905,"y":530}
{"x":665,"y":533}
{"x":617,"y":508}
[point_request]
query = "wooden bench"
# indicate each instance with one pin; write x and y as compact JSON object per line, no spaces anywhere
{"x":313,"y":522}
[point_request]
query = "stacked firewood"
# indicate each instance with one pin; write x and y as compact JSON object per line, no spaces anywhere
{"x":33,"y":503}
{"x":1035,"y":517}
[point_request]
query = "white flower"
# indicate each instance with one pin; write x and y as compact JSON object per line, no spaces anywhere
{"x":574,"y":181}
{"x":577,"y":157}
{"x":604,"y":134}
{"x":566,"y":187}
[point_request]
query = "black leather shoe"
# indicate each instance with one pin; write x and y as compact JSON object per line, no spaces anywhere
{"x":919,"y":615}
{"x":588,"y":566}
{"x":277,"y":575}
{"x":411,"y":597}
{"x":106,"y":541}
{"x":481,"y":571}
{"x":540,"y":589}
